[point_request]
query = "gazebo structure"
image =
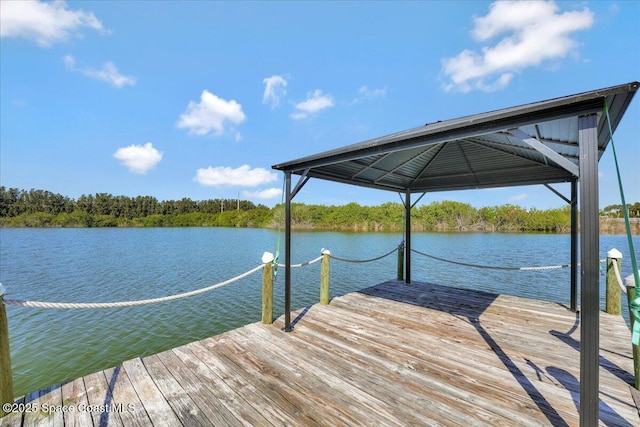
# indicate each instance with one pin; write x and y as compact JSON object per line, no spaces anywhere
{"x":553,"y":141}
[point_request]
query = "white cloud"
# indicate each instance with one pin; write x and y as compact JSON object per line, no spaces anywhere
{"x":243,"y":176}
{"x":108,"y":73}
{"x":532,"y":32}
{"x":139,"y":159}
{"x":274,"y":89}
{"x":366,"y":94}
{"x":44,"y":23}
{"x":210,"y":114}
{"x":269,"y":193}
{"x":315,"y":102}
{"x":69,"y":62}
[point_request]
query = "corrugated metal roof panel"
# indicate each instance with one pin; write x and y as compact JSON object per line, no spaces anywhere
{"x":475,"y":151}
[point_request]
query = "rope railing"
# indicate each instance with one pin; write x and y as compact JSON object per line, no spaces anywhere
{"x":616,"y":271}
{"x":364,"y":260}
{"x":303,"y":264}
{"x":81,"y":305}
{"x":117,"y":304}
{"x":492,"y":267}
{"x":65,"y":305}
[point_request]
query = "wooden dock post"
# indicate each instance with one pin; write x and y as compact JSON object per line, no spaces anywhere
{"x":267,"y":288}
{"x":612,"y":303}
{"x":324,"y":277}
{"x":401,"y":261}
{"x":6,"y":380}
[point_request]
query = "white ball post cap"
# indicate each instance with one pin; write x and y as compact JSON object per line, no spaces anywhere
{"x":324,"y":251}
{"x":2,"y":290}
{"x":614,"y":253}
{"x":267,"y":257}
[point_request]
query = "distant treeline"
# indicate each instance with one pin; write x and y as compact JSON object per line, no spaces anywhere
{"x":40,"y":208}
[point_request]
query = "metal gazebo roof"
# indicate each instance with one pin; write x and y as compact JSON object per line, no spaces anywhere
{"x":558,"y":140}
{"x":529,"y":144}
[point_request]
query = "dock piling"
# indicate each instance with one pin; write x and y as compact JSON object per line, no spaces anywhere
{"x":401,"y":261}
{"x":6,"y":380}
{"x":267,"y":288}
{"x":324,"y":277}
{"x":612,"y":303}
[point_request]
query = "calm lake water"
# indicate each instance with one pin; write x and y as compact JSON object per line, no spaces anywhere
{"x":49,"y":346}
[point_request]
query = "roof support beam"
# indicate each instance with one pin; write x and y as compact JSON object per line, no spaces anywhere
{"x":287,"y":253}
{"x":407,"y":244}
{"x":557,"y":193}
{"x":505,"y":148}
{"x":419,"y":198}
{"x":371,"y":166}
{"x":403,"y":164}
{"x":547,"y":152}
{"x":573,"y":202}
{"x":574,"y":245}
{"x":289,"y":195}
{"x":301,"y":182}
{"x":424,"y":169}
{"x":590,"y":283}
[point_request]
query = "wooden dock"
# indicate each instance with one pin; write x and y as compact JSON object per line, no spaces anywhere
{"x":389,"y":355}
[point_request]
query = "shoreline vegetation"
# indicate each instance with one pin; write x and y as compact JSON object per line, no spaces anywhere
{"x":44,"y":209}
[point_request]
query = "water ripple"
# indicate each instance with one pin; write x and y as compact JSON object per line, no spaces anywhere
{"x":103,"y":265}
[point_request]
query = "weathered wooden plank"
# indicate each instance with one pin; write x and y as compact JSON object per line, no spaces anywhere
{"x":535,"y":338}
{"x":446,"y":333}
{"x":268,"y":405}
{"x":318,"y":402}
{"x":347,"y":320}
{"x":228,"y":397}
{"x":635,"y":394}
{"x":614,"y":338}
{"x":333,"y":372}
{"x":449,"y":386}
{"x":181,"y":403}
{"x":124,"y":398}
{"x":337,"y":368}
{"x":477,"y":352}
{"x":157,"y":408}
{"x":15,"y":417}
{"x":278,"y":391}
{"x":99,"y":395}
{"x":205,"y":400}
{"x":47,"y":413}
{"x":74,"y":395}
{"x":393,"y":354}
{"x":465,"y":302}
{"x":606,"y":411}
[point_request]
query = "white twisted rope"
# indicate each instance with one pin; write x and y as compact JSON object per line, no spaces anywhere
{"x":618,"y":276}
{"x":491,"y":267}
{"x":304,"y":264}
{"x":41,"y":304}
{"x":546,"y":267}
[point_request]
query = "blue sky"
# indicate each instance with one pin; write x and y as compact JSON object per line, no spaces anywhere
{"x":199,"y":99}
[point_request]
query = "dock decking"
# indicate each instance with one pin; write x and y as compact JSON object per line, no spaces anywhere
{"x":392,"y":354}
